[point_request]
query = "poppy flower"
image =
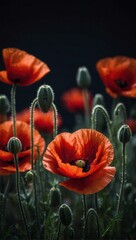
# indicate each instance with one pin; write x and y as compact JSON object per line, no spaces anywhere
{"x":118,"y":75}
{"x":83,"y":157}
{"x":73,"y":100}
{"x":43,"y":122}
{"x":22,"y":68}
{"x":23,"y":133}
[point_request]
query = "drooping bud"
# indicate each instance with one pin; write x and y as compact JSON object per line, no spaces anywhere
{"x":98,"y":99}
{"x":29,"y":176}
{"x":4,"y":104}
{"x":14,"y":145}
{"x":124,"y":133}
{"x":65,"y":214}
{"x":45,"y":96}
{"x":54,"y":197}
{"x":83,"y":77}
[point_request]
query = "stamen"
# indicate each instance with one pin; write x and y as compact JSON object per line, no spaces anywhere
{"x":121,"y":83}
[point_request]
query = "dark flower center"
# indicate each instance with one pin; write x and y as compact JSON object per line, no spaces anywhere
{"x":121,"y":83}
{"x":84,"y":164}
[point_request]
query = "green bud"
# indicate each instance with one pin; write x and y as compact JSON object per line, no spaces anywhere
{"x":29,"y":176}
{"x":54,"y":197}
{"x":4,"y":104}
{"x":98,"y":99}
{"x":83,"y":77}
{"x":45,"y":96}
{"x":14,"y":145}
{"x":65,"y":214}
{"x":124,"y":133}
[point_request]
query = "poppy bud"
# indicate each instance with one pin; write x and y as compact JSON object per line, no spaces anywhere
{"x":4,"y":104}
{"x":54,"y":197}
{"x":83,"y":77}
{"x":29,"y":176}
{"x":65,"y":214}
{"x":45,"y":96}
{"x":98,"y":100}
{"x":124,"y":134}
{"x":14,"y":145}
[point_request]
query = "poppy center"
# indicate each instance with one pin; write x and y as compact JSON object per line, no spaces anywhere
{"x":84,"y":164}
{"x":80,"y":163}
{"x":121,"y":83}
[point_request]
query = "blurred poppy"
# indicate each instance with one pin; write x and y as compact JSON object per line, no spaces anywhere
{"x":73,"y":100}
{"x":132,"y":124}
{"x":22,"y":68}
{"x":118,"y":75}
{"x":23,"y":133}
{"x":43,"y":122}
{"x":84,"y":157}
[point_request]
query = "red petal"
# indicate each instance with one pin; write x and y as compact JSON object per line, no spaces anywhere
{"x":92,"y":184}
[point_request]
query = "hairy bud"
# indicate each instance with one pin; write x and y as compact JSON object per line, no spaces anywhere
{"x":14,"y":145}
{"x":45,"y":96}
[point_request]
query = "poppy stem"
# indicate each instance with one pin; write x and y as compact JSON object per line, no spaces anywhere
{"x":55,"y":125}
{"x":32,"y":128}
{"x":86,"y":106}
{"x":13,"y":108}
{"x":18,"y":194}
{"x":123,"y":173}
{"x":32,"y":157}
{"x":106,"y":116}
{"x":84,"y":217}
{"x":59,"y":229}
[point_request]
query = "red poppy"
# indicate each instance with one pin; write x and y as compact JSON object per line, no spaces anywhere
{"x":73,"y":100}
{"x":118,"y":75}
{"x":21,"y":68}
{"x":132,"y":124}
{"x":43,"y":122}
{"x":84,"y":157}
{"x":23,"y":133}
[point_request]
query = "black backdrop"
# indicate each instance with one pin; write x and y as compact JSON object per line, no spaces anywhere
{"x":66,"y":35}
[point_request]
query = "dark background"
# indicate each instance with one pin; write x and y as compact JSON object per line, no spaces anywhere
{"x":66,"y":35}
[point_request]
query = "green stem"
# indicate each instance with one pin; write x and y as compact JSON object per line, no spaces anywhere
{"x":13,"y":108}
{"x":84,"y":217}
{"x":86,"y":106}
{"x":32,"y":159}
{"x":32,"y":130}
{"x":122,"y":178}
{"x":59,"y":229}
{"x":18,"y":194}
{"x":55,"y":125}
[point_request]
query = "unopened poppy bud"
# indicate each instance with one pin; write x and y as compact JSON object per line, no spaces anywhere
{"x":4,"y":104}
{"x":14,"y":145}
{"x":124,"y":133}
{"x":65,"y":214}
{"x":83,"y":77}
{"x":45,"y":96}
{"x":29,"y":176}
{"x":98,"y":100}
{"x":54,"y":197}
